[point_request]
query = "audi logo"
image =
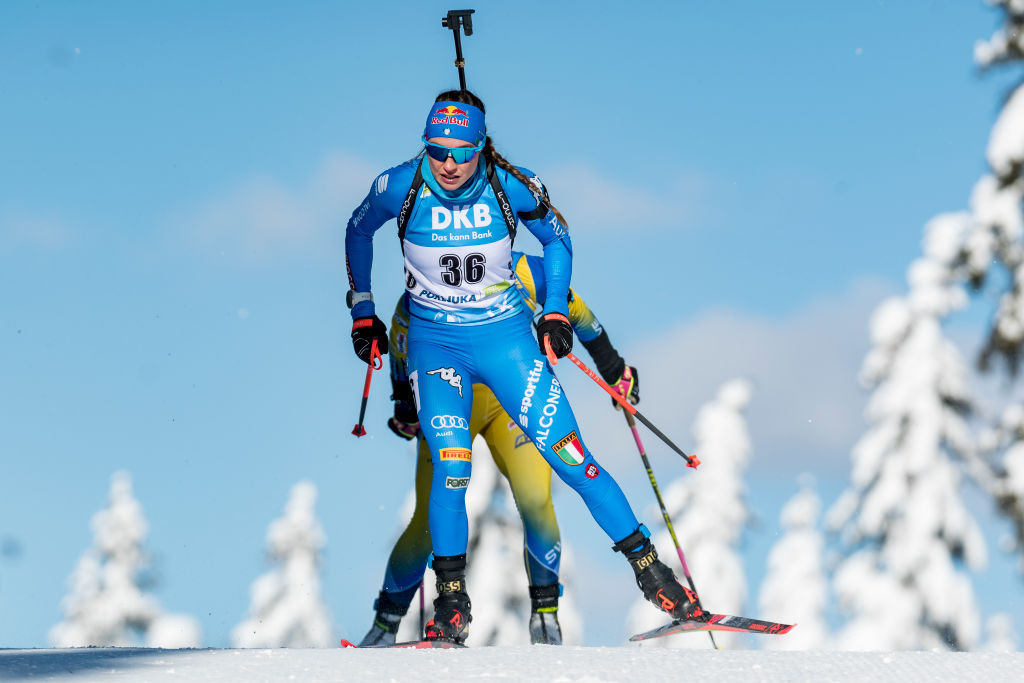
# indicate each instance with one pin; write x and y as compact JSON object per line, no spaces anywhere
{"x":448,"y":422}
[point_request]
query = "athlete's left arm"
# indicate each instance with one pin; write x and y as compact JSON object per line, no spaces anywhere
{"x":553,"y":236}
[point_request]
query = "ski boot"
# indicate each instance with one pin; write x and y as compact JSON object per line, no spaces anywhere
{"x":544,"y":626}
{"x":385,"y":622}
{"x":451,"y":606}
{"x":656,"y":580}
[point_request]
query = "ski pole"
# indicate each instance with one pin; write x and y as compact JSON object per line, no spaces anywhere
{"x":664,"y":513}
{"x":376,"y":363}
{"x":453,"y":20}
{"x":422,"y":612}
{"x":691,"y":460}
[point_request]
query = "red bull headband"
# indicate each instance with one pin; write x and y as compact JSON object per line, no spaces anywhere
{"x":456,"y":120}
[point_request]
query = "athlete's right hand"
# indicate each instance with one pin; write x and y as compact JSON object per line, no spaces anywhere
{"x":364,"y":332}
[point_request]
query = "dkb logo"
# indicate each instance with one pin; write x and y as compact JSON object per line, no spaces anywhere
{"x":458,"y":218}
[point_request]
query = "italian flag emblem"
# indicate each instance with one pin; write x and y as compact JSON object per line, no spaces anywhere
{"x":569,"y":449}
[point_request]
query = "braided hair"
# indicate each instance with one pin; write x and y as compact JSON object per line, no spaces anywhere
{"x":491,"y":154}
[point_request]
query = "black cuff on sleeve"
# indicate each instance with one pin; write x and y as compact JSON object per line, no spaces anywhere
{"x":610,"y":364}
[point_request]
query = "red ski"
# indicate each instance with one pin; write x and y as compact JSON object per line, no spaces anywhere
{"x":716,"y":622}
{"x":418,"y":644}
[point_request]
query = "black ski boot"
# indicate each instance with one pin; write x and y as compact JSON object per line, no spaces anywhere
{"x":451,"y":606}
{"x":656,"y":580}
{"x":385,"y":622}
{"x":544,"y":626}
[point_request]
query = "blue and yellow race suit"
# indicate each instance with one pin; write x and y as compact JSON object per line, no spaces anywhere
{"x":468,"y":325}
{"x":528,"y":474}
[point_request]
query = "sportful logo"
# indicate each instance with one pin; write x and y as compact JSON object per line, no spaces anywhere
{"x":570,"y":450}
{"x":463,"y":454}
{"x":448,"y":375}
{"x":382,"y":184}
{"x":448,"y":422}
{"x":548,"y":412}
{"x":531,"y":388}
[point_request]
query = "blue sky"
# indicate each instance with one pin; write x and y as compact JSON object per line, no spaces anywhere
{"x":744,"y":183}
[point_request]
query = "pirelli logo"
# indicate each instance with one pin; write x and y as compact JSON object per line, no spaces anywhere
{"x":463,"y":454}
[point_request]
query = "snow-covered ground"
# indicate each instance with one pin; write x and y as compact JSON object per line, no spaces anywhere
{"x":517,"y":663}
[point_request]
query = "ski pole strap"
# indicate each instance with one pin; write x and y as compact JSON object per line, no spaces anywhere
{"x":376,"y":363}
{"x":552,"y":358}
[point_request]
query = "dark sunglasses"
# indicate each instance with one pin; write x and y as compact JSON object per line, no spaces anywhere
{"x":459,"y":155}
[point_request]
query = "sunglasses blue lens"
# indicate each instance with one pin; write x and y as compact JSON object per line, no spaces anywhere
{"x":459,"y":155}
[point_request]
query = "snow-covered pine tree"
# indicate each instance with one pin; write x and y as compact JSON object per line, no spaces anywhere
{"x":286,"y":608}
{"x":106,"y":605}
{"x":795,"y":588}
{"x":495,"y":575}
{"x":1000,"y":635}
{"x":994,"y":244}
{"x":906,"y":530}
{"x":708,"y":513}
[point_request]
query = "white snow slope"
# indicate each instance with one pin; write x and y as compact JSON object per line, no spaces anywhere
{"x":515,"y":663}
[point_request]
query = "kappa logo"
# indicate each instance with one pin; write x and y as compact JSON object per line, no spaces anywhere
{"x":382,"y":184}
{"x":448,"y":422}
{"x":463,"y":454}
{"x":456,"y":482}
{"x":449,"y":375}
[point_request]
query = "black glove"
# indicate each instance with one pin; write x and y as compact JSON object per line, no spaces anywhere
{"x":556,"y":327}
{"x":405,"y":423}
{"x":627,"y":386}
{"x":364,"y":332}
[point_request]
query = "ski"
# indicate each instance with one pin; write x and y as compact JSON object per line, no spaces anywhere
{"x":715,"y":622}
{"x":417,"y":644}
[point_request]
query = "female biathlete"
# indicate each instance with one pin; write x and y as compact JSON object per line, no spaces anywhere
{"x":456,"y":221}
{"x":528,"y":474}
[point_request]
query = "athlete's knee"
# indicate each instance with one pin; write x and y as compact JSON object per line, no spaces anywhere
{"x":588,"y":478}
{"x":535,"y":504}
